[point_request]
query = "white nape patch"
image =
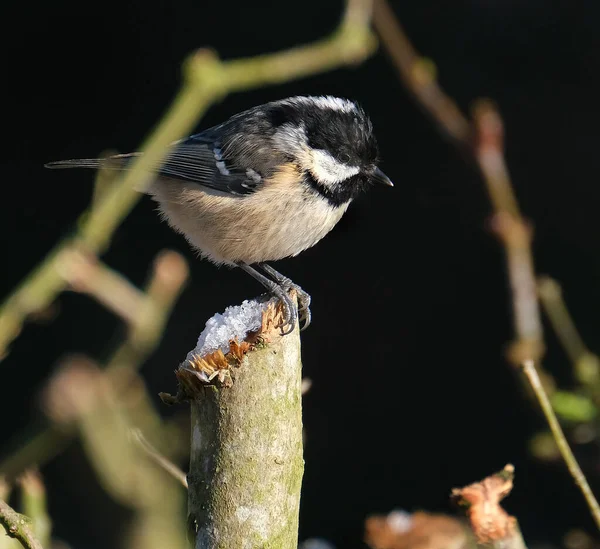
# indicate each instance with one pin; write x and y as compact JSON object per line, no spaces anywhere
{"x":327,"y":102}
{"x":235,"y":323}
{"x":289,"y":138}
{"x":326,"y":169}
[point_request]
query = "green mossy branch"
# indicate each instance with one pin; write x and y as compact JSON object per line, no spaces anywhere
{"x":18,"y":526}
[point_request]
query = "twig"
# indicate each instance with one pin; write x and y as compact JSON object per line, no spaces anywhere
{"x":33,"y":500}
{"x":563,"y":446}
{"x":156,"y":457}
{"x":551,"y":298}
{"x":86,"y":274}
{"x":5,"y":488}
{"x":418,"y":75}
{"x":168,"y":278}
{"x":528,"y":348}
{"x":40,"y":446}
{"x":82,"y":394}
{"x":483,"y":142}
{"x":586,"y":363}
{"x":207,"y":79}
{"x":152,"y":310}
{"x":513,"y":231}
{"x":18,"y":526}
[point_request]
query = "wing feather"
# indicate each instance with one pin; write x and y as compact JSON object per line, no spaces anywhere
{"x":199,"y":159}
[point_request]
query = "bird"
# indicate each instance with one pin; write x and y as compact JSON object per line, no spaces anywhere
{"x":264,"y":185}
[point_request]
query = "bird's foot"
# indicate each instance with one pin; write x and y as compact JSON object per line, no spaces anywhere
{"x":290,"y":311}
{"x":280,"y":286}
{"x":287,"y":285}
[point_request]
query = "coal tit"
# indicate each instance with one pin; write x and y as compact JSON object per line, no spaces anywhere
{"x":264,"y":185}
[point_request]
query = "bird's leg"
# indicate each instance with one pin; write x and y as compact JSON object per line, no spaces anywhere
{"x":279,"y":291}
{"x":303,"y":297}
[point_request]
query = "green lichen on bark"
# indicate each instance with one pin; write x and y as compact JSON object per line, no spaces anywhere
{"x":246,"y":461}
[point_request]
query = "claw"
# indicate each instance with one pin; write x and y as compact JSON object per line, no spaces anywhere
{"x":289,"y":313}
{"x":303,"y":297}
{"x":280,"y":286}
{"x":303,"y":307}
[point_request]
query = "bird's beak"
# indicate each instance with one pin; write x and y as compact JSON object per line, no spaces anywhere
{"x":381,"y":178}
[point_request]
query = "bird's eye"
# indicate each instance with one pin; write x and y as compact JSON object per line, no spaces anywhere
{"x":345,"y":158}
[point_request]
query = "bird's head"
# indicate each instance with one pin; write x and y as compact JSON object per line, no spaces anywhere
{"x":332,"y":142}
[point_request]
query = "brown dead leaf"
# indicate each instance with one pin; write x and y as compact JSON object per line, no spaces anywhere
{"x":419,"y":530}
{"x":489,"y":521}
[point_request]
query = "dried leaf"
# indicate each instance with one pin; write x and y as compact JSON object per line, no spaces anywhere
{"x":489,"y":521}
{"x":419,"y":530}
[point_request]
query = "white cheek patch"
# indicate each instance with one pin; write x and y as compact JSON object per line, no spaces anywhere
{"x":326,"y":169}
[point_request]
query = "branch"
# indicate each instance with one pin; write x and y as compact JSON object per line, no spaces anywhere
{"x":158,"y":458}
{"x":18,"y":526}
{"x":33,"y":497}
{"x":206,"y":80}
{"x":586,"y":363}
{"x":561,"y":441}
{"x":418,"y":75}
{"x":85,"y":274}
{"x":483,"y":143}
{"x":513,"y":231}
{"x":246,"y":461}
{"x":167,"y":280}
{"x":82,"y":394}
{"x":147,"y":317}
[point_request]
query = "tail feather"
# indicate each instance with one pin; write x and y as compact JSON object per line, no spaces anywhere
{"x":75,"y":163}
{"x":117,"y":162}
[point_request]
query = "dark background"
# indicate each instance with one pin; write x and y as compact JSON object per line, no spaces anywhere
{"x":411,"y":394}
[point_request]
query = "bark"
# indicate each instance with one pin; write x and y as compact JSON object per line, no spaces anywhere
{"x":246,"y":461}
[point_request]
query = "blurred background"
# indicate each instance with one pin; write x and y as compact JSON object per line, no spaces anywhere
{"x":411,"y":393}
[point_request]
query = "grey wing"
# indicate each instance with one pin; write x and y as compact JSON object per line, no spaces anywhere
{"x":199,"y":159}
